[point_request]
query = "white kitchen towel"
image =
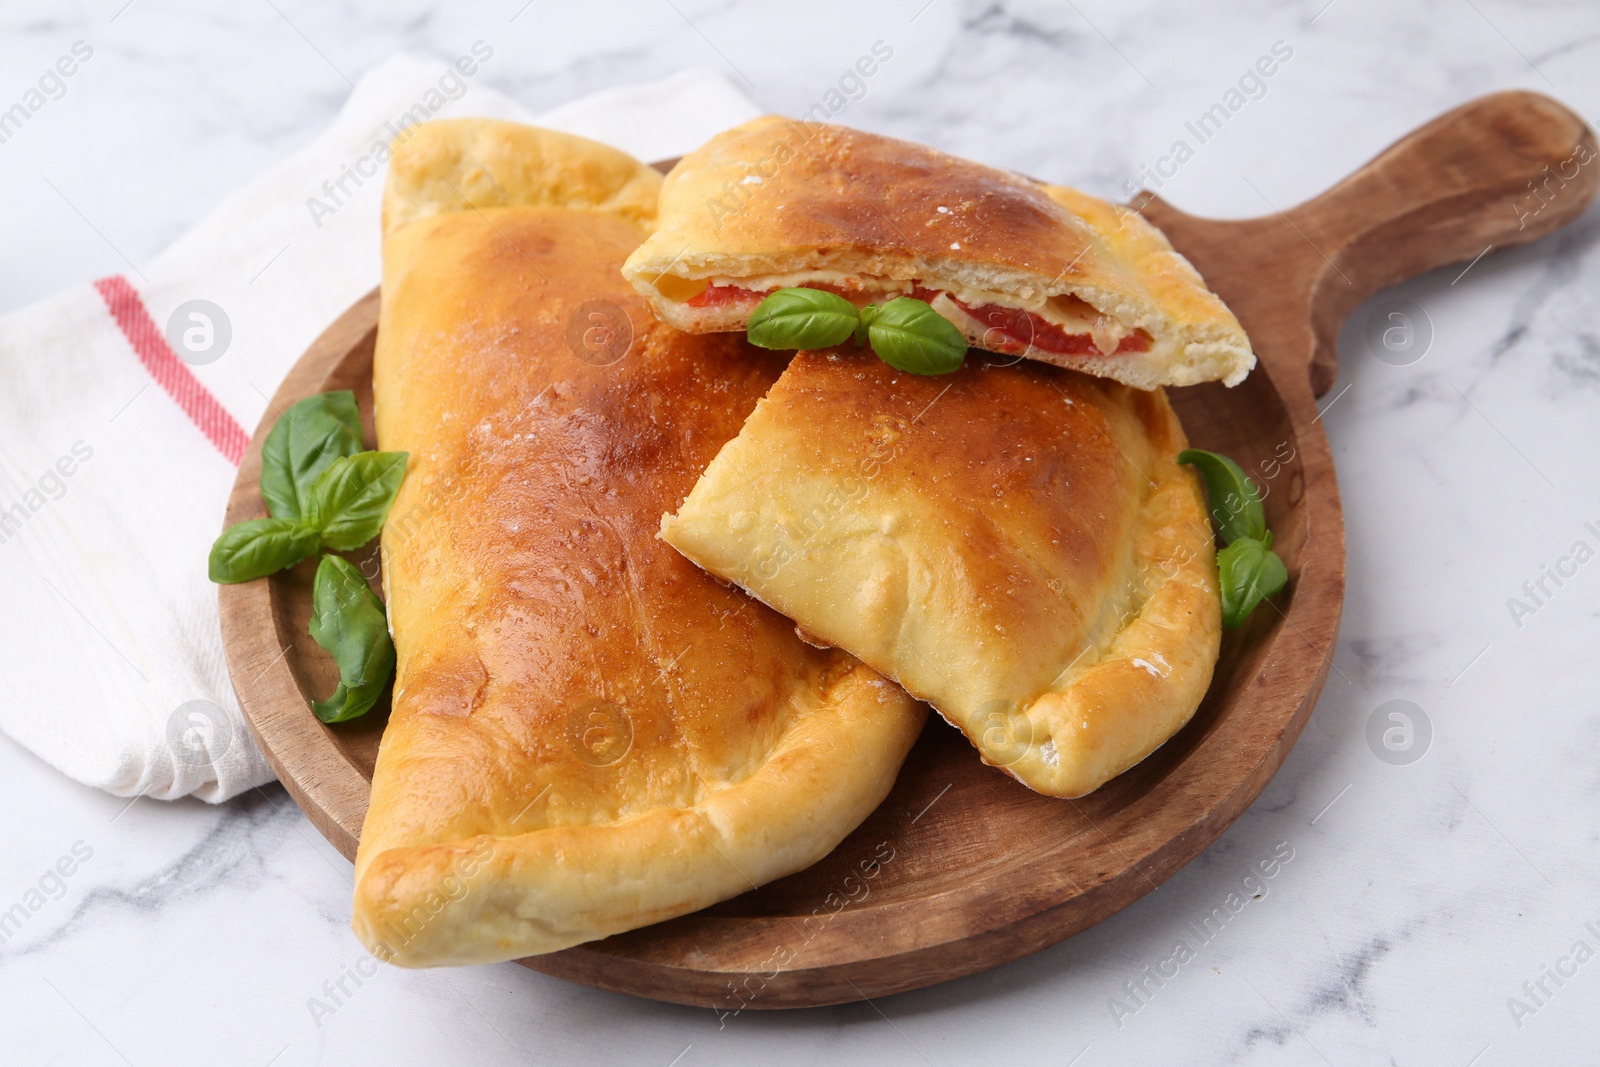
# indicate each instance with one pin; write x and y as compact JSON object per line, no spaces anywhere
{"x":125,"y":406}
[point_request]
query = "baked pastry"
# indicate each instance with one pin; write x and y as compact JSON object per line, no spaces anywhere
{"x":1015,"y":544}
{"x":1041,"y":271}
{"x":452,"y":165}
{"x":589,"y":733}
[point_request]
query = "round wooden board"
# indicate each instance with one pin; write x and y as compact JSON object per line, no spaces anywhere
{"x":972,"y":869}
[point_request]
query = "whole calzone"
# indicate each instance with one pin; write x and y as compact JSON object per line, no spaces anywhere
{"x":589,"y":733}
{"x":1014,"y":543}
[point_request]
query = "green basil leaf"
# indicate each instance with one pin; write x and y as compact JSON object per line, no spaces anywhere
{"x":349,"y":501}
{"x":259,"y":547}
{"x":910,"y":336}
{"x":1249,"y":572}
{"x":345,"y":704}
{"x":802,"y":318}
{"x":347,"y":619}
{"x":1235,"y":503}
{"x":302,"y":443}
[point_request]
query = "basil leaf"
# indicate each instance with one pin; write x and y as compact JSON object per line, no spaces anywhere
{"x":1235,"y":503}
{"x":301,"y":445}
{"x":1249,"y":572}
{"x":259,"y":547}
{"x":347,"y":620}
{"x":349,"y":501}
{"x":802,"y":318}
{"x":346,"y":703}
{"x":910,"y":336}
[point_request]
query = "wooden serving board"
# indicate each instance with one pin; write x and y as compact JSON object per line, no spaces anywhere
{"x":971,"y":869}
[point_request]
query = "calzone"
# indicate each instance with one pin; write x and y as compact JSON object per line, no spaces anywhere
{"x":1040,"y":271}
{"x":1014,"y":543}
{"x":589,"y":733}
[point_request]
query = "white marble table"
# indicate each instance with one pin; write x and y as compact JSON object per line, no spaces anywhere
{"x":1424,"y":900}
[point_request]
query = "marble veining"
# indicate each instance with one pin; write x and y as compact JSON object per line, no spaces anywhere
{"x":1426,"y":896}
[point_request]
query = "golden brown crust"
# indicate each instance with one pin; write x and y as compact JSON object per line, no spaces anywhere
{"x":588,"y":733}
{"x":1016,"y":545}
{"x":776,"y":198}
{"x":829,"y":195}
{"x":457,"y":164}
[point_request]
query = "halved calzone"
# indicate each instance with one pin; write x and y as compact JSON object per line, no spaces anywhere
{"x":589,"y":733}
{"x":1015,"y":544}
{"x":1041,"y":271}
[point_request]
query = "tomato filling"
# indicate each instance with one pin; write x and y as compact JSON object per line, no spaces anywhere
{"x":1013,"y":330}
{"x":721,"y":296}
{"x":1006,"y":329}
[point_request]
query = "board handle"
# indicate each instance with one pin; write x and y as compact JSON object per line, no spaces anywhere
{"x":1498,"y":171}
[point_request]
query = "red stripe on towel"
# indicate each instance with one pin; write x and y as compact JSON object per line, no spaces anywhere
{"x":170,"y":372}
